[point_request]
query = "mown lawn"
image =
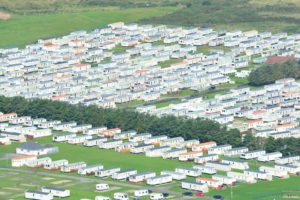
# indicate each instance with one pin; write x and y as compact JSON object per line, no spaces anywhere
{"x":21,"y":30}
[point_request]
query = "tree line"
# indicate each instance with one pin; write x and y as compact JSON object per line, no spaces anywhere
{"x":267,"y":74}
{"x":201,"y":129}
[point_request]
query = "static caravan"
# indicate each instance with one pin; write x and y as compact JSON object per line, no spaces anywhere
{"x":40,"y":162}
{"x":102,"y":186}
{"x":63,"y":126}
{"x":172,"y":142}
{"x":20,"y":161}
{"x":269,"y":157}
{"x":210,"y":182}
{"x":157,"y":180}
{"x":121,"y":175}
{"x":72,"y":167}
{"x":88,"y":170}
{"x":38,"y":195}
{"x":252,"y":154}
{"x":94,"y":131}
{"x":57,"y":192}
{"x":121,"y":196}
{"x":94,"y":141}
{"x":141,"y":177}
{"x":205,"y":169}
{"x":236,"y":151}
{"x":110,"y":144}
{"x":225,"y":180}
{"x":189,"y":185}
{"x":141,"y":193}
{"x":219,"y":166}
{"x":107,"y":172}
{"x":236,"y":164}
{"x":274,"y":172}
{"x":287,"y":160}
{"x":258,"y":175}
{"x":4,"y":140}
{"x":204,"y":146}
{"x":102,"y":198}
{"x":157,"y":151}
{"x":79,"y":128}
{"x":124,"y":135}
{"x":190,"y":156}
{"x":141,"y":148}
{"x":175,"y":175}
{"x":188,"y":144}
{"x":241,"y":177}
{"x":289,"y":168}
{"x":110,"y":132}
{"x":19,"y":137}
{"x":63,"y":137}
{"x":219,"y":149}
{"x":79,"y":139}
{"x":156,"y":139}
{"x":156,"y":196}
{"x":188,"y":171}
{"x":56,"y":165}
{"x":140,"y":137}
{"x":173,"y":153}
{"x":37,"y":133}
{"x":20,"y":120}
{"x":125,"y":147}
{"x":206,"y":158}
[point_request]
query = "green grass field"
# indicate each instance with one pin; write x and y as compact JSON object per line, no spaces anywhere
{"x":21,"y":30}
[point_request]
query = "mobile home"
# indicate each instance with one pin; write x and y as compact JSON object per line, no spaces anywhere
{"x":219,"y":166}
{"x":175,"y":175}
{"x":274,"y":172}
{"x":63,"y":137}
{"x":102,"y":186}
{"x":94,"y":130}
{"x":79,"y":139}
{"x":72,"y":167}
{"x":94,"y":141}
{"x":141,"y":193}
{"x":190,"y":156}
{"x":173,"y":153}
{"x":155,"y":139}
{"x":121,"y":175}
{"x":157,"y":151}
{"x":110,"y":144}
{"x":188,"y":171}
{"x":121,"y":196}
{"x":38,"y":195}
{"x":189,"y":185}
{"x":205,"y":169}
{"x":40,"y":162}
{"x":258,"y":175}
{"x":252,"y":154}
{"x":206,"y":158}
{"x":287,"y":160}
{"x":88,"y":170}
{"x":210,"y":182}
{"x":56,"y":192}
{"x":107,"y":172}
{"x":204,"y":146}
{"x":142,"y":148}
{"x":241,"y":177}
{"x":225,"y":180}
{"x":157,"y":180}
{"x":140,"y":137}
{"x":220,"y":149}
{"x":289,"y":168}
{"x":56,"y":165}
{"x":269,"y":157}
{"x":141,"y":177}
{"x":236,"y":151}
{"x":236,"y":164}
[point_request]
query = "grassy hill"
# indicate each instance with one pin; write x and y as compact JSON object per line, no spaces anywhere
{"x":24,"y":29}
{"x":266,"y":15}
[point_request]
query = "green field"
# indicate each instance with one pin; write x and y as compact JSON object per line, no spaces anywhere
{"x":21,"y":30}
